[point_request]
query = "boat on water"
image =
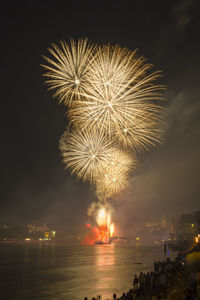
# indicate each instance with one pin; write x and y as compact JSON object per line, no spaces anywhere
{"x":102,"y":243}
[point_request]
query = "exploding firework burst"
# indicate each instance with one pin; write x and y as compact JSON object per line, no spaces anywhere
{"x":67,"y":71}
{"x":104,"y":229}
{"x":122,"y":96}
{"x":114,"y":178}
{"x":111,"y":183}
{"x":120,"y":160}
{"x":110,"y":71}
{"x":85,"y":152}
{"x":145,"y":132}
{"x":108,"y":88}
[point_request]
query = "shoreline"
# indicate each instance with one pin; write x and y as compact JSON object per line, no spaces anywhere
{"x":170,"y":280}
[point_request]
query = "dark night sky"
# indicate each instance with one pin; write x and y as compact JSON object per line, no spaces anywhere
{"x":35,"y":185}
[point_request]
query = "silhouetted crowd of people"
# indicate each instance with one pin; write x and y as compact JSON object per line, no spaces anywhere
{"x":152,"y":284}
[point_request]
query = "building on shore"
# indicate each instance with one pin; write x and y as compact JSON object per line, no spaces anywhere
{"x":26,"y":232}
{"x":197,"y":221}
{"x":173,"y":230}
{"x":186,"y":227}
{"x":185,"y":230}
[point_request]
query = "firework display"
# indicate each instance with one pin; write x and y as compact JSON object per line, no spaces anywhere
{"x":107,"y":87}
{"x":113,"y":109}
{"x":111,"y":183}
{"x":121,"y":97}
{"x":103,"y":232}
{"x":120,"y":160}
{"x":67,"y":70}
{"x":85,"y":152}
{"x":114,"y":178}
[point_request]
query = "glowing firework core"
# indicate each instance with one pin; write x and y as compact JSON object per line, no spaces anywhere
{"x":105,"y":228}
{"x":77,"y":81}
{"x":103,"y":231}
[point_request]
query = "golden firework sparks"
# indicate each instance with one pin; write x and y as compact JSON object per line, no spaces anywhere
{"x":120,"y":160}
{"x":85,"y":152}
{"x":112,"y":99}
{"x":67,"y":70}
{"x":121,"y":95}
{"x":114,"y":178}
{"x":111,"y":183}
{"x":145,"y":132}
